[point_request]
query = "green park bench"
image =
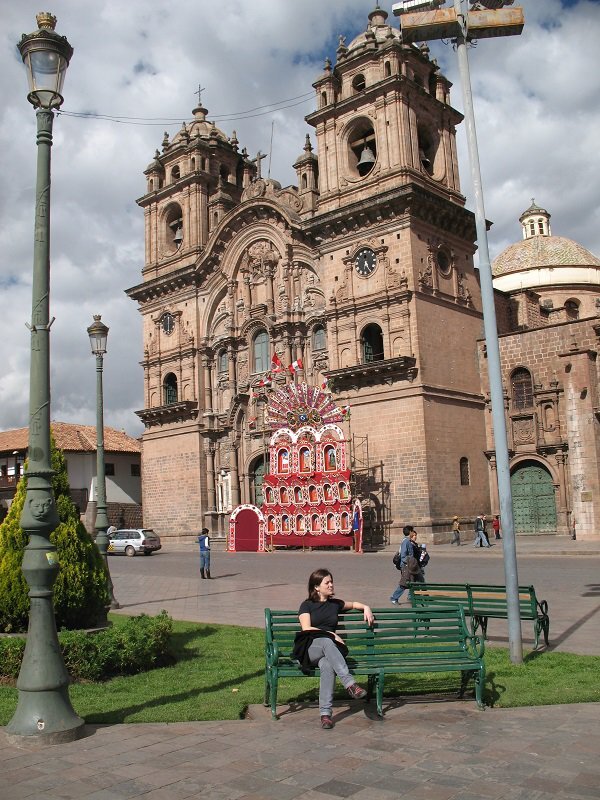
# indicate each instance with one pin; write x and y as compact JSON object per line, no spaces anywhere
{"x":480,"y":602}
{"x":402,"y":640}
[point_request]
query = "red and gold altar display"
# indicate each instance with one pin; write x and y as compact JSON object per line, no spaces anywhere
{"x":307,"y":500}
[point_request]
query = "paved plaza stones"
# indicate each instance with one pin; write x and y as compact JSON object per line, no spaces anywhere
{"x":440,"y":750}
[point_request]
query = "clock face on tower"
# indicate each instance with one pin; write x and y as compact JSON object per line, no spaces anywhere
{"x":365,"y":262}
{"x":168,"y":323}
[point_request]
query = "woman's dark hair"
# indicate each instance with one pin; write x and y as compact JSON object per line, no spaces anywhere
{"x":315,"y":580}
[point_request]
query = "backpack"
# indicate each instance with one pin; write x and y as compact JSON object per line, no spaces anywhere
{"x":424,"y":558}
{"x":396,"y":561}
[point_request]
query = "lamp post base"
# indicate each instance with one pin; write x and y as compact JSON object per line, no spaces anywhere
{"x":55,"y":724}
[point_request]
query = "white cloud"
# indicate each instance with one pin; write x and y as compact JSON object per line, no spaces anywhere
{"x":536,"y":100}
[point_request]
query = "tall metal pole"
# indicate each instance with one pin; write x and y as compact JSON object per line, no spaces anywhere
{"x":493,"y":352}
{"x":44,"y":709}
{"x":101,"y":524}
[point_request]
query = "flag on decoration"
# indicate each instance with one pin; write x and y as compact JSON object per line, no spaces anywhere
{"x":252,"y":422}
{"x":325,"y":385}
{"x":276,"y":365}
{"x":266,"y":381}
{"x":295,"y":366}
{"x":345,"y":411}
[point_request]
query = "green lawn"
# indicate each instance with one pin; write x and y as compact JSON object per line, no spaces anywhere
{"x":220,"y":672}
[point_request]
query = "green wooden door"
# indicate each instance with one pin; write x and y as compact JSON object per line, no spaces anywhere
{"x":534,"y":506}
{"x":257,"y":477}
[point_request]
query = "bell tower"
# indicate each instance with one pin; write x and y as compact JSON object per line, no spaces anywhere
{"x":395,"y":246}
{"x":383,"y":119}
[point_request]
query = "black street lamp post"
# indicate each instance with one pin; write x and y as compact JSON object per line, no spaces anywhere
{"x":44,"y":712}
{"x":98,"y":333}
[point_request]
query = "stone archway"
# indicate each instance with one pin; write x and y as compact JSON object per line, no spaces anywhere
{"x":256,"y":476}
{"x":534,"y":502}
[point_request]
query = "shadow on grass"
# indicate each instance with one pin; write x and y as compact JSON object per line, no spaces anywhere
{"x":180,"y":641}
{"x":120,"y":715}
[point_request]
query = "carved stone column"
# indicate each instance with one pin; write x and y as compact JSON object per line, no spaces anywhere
{"x":494,"y":485}
{"x":207,"y":377}
{"x":269,"y":273}
{"x":231,"y":357}
{"x":210,"y":476}
{"x":235,"y":477}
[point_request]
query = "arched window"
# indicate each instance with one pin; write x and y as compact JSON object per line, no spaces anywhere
{"x":300,"y":524}
{"x":465,"y":474}
{"x":522,"y":388}
{"x":305,"y":460}
{"x":387,"y":69}
{"x":222,"y":362}
{"x":260,"y":352}
{"x":170,"y":389}
{"x":175,"y":174}
{"x":323,"y":99}
{"x":572,"y":309}
{"x":329,"y":458}
{"x":372,"y":344}
{"x":283,"y":461}
{"x":319,"y":340}
{"x":304,"y":181}
{"x":298,"y":496}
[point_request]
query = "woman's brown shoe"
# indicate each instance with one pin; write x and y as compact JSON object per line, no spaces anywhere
{"x":326,"y":722}
{"x":356,"y":692}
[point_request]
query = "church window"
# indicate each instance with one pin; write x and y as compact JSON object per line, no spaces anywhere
{"x":319,"y":341}
{"x":260,"y":352}
{"x":323,"y":99}
{"x":372,"y":344}
{"x":175,"y":174}
{"x":387,"y":69}
{"x":193,"y":164}
{"x":224,"y":173}
{"x":358,"y":83}
{"x":362,"y":147}
{"x":540,"y":226}
{"x":572,"y":309}
{"x":532,"y":228}
{"x":170,"y":389}
{"x":222,"y":362}
{"x":522,"y":388}
{"x":203,"y":164}
{"x":465,"y":474}
{"x":304,"y":181}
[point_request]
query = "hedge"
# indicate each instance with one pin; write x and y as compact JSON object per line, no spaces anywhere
{"x":137,"y":644}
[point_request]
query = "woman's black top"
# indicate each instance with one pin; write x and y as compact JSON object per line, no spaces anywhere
{"x":323,"y":615}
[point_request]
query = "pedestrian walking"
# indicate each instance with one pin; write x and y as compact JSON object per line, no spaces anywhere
{"x":496,"y":527}
{"x":481,"y":539}
{"x":456,"y":531}
{"x":573,"y":529}
{"x":405,"y":551}
{"x":204,"y":543}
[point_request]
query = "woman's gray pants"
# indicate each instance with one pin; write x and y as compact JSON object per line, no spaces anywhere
{"x":324,"y":653}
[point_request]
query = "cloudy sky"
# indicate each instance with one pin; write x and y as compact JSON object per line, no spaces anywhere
{"x":537,"y":102}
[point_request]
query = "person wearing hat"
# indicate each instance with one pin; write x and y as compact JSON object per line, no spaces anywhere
{"x":455,"y":531}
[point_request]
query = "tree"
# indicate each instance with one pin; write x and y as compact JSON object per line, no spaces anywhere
{"x":81,"y":594}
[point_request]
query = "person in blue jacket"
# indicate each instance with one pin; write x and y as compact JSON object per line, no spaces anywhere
{"x":204,"y":542}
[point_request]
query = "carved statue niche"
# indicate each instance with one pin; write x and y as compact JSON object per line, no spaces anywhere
{"x":262,"y":260}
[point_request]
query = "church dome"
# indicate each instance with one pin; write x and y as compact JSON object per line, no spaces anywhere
{"x":543,"y":251}
{"x":543,"y":260}
{"x":377,"y":31}
{"x":199,"y":127}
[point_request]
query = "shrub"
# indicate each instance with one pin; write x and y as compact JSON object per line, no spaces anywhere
{"x":137,"y":644}
{"x":81,"y":589}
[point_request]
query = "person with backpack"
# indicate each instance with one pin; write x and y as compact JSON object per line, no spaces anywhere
{"x":408,"y":564}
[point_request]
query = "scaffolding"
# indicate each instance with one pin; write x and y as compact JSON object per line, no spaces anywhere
{"x":368,"y":484}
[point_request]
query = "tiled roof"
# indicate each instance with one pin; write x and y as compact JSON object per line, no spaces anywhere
{"x":543,"y":251}
{"x":73,"y":438}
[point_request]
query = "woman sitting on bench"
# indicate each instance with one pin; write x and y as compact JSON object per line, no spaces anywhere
{"x":319,"y":644}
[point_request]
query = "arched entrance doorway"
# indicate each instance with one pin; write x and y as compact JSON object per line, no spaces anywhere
{"x":534,"y":504}
{"x":257,"y":477}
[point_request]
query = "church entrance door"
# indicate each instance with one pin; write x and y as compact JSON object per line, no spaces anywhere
{"x":257,"y":477}
{"x":246,"y":531}
{"x":534,"y":504}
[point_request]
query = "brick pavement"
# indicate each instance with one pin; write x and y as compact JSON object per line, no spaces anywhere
{"x":444,"y":750}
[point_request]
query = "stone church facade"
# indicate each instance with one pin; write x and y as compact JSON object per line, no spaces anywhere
{"x":362,"y":273}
